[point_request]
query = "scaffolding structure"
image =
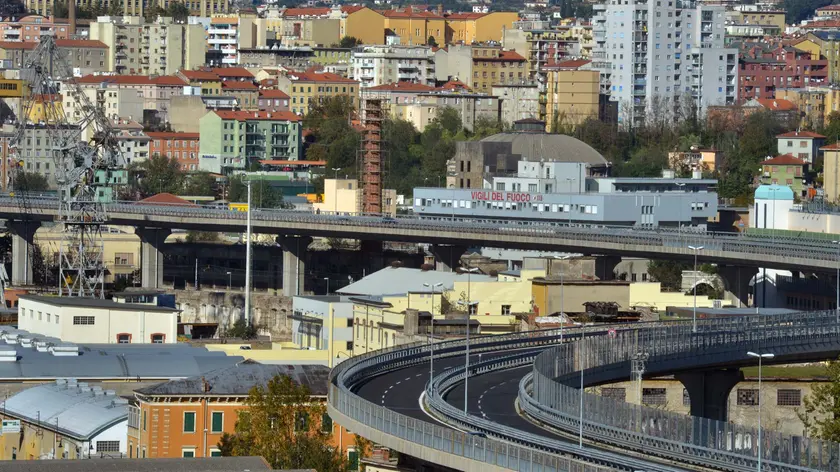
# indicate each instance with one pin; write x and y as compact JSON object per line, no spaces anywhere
{"x":371,"y":162}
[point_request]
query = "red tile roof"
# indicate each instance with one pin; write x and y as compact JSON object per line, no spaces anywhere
{"x":403,"y":87}
{"x":62,"y":43}
{"x":465,"y":16}
{"x":570,"y":64}
{"x":306,"y":12}
{"x":829,"y":8}
{"x":454,"y":85}
{"x":410,"y":14}
{"x":240,"y":72}
{"x":238,"y":85}
{"x":349,"y":9}
{"x":776,"y":104}
{"x":165,"y":199}
{"x":784,"y":160}
{"x":169,"y":80}
{"x":503,"y":56}
{"x":171,"y":135}
{"x":273,"y":94}
{"x":241,"y":115}
{"x":199,"y":74}
{"x":801,"y":134}
{"x":831,"y":147}
{"x":319,"y":77}
{"x":268,"y":83}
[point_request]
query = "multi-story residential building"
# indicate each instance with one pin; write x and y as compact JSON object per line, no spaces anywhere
{"x":762,"y":71}
{"x":481,"y":66}
{"x":311,"y":26}
{"x":823,"y":44}
{"x":653,"y":53}
{"x":30,"y":28}
{"x":203,"y":8}
{"x":573,"y":94}
{"x":761,"y":17}
{"x":379,"y":65}
{"x":517,"y":102}
{"x":810,"y":101}
{"x":187,"y":417}
{"x":207,"y":81}
{"x":539,"y":46}
{"x":785,"y":170}
{"x":226,"y":35}
{"x":804,"y":145}
{"x":116,"y":102}
{"x":470,"y":106}
{"x":182,"y":147}
{"x":133,"y":142}
{"x":38,"y":151}
{"x":232,"y":139}
{"x":84,"y":56}
{"x":156,"y":91}
{"x":472,"y":28}
{"x":161,"y":47}
{"x":307,"y":88}
{"x":273,"y":100}
{"x":246,"y":93}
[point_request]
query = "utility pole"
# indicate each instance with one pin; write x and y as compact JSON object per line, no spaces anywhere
{"x":248,"y":260}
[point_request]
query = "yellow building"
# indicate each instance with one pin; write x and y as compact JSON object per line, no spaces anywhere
{"x":343,"y":196}
{"x":481,"y":66}
{"x":364,"y":24}
{"x":209,"y":82}
{"x":307,"y":88}
{"x":415,"y":27}
{"x":650,"y":295}
{"x":572,"y":94}
{"x":12,"y":88}
{"x":765,"y":17}
{"x":831,"y":172}
{"x":810,"y":102}
{"x":46,"y":109}
{"x":472,"y":28}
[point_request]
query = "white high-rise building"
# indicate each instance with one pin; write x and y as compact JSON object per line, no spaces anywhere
{"x":656,"y":55}
{"x":380,"y":65}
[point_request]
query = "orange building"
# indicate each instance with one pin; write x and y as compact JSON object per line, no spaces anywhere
{"x":182,"y":146}
{"x":187,"y":417}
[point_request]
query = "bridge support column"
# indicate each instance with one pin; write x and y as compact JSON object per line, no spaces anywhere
{"x":23,"y":243}
{"x":151,"y":255}
{"x":737,"y":283}
{"x":294,"y":263}
{"x":709,"y":390}
{"x":447,"y":257}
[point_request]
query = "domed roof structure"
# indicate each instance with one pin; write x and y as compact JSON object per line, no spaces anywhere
{"x":550,"y":147}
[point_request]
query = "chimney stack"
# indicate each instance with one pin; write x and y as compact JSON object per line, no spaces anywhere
{"x":71,"y":16}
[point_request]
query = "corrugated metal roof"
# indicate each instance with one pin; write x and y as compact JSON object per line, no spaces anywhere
{"x":240,"y":378}
{"x":74,"y":410}
{"x":96,"y":302}
{"x":401,"y":280}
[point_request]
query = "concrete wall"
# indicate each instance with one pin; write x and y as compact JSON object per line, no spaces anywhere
{"x":650,"y":294}
{"x":268,"y":310}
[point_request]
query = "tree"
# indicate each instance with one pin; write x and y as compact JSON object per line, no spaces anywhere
{"x":202,"y":237}
{"x":263,"y":195}
{"x":200,"y":184}
{"x":335,"y":141}
{"x":832,"y":129}
{"x":349,"y":42}
{"x":26,"y":181}
{"x":285,"y":425}
{"x":820,"y":411}
{"x":485,"y":126}
{"x":242,"y":330}
{"x":178,"y":11}
{"x":450,"y":120}
{"x":431,"y":42}
{"x":668,"y":273}
{"x":159,"y":174}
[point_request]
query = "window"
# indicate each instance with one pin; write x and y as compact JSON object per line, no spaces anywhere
{"x":532,"y":188}
{"x":653,"y":396}
{"x":56,"y":319}
{"x":107,"y":446}
{"x":326,"y":423}
{"x":124,"y":338}
{"x":215,"y":453}
{"x":144,"y":420}
{"x":301,"y":421}
{"x":500,"y":186}
{"x":747,"y":396}
{"x":82,"y":320}
{"x":189,"y":423}
{"x":615,"y":393}
{"x":158,"y":338}
{"x":188,"y":452}
{"x":686,"y":398}
{"x":217,"y":420}
{"x":789,"y":397}
{"x":505,"y":309}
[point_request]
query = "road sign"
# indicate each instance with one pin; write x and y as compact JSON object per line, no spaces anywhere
{"x":611,"y":333}
{"x":10,"y":426}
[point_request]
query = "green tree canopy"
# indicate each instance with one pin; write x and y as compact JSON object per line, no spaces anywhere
{"x":349,"y":42}
{"x":667,"y":273}
{"x":26,"y":181}
{"x":287,"y":427}
{"x":820,"y":412}
{"x":336,"y":142}
{"x":431,"y":42}
{"x":450,"y":120}
{"x":178,"y":11}
{"x":263,"y":195}
{"x":158,"y":174}
{"x":200,"y":184}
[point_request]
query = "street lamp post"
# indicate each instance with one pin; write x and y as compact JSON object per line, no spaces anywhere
{"x":328,"y":284}
{"x":229,"y":277}
{"x":562,"y":307}
{"x":248,"y":259}
{"x":837,"y":284}
{"x":432,"y":333}
{"x":760,"y":357}
{"x":696,"y":249}
{"x":469,"y":304}
{"x":335,"y":189}
{"x":582,"y":339}
{"x":680,"y":204}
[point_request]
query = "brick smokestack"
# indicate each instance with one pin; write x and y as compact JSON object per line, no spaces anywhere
{"x":71,"y":16}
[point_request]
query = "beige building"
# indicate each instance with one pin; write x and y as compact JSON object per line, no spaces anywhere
{"x":227,"y":34}
{"x":87,"y":321}
{"x":831,"y":172}
{"x":379,"y":65}
{"x":517,"y":102}
{"x":157,"y":91}
{"x":85,"y":56}
{"x":481,"y":66}
{"x":134,"y":7}
{"x":470,"y":106}
{"x":343,"y":196}
{"x":162,"y":47}
{"x":117,"y":103}
{"x":572,"y":94}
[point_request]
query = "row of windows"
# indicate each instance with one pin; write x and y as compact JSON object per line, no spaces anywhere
{"x":784,"y":397}
{"x":41,"y":316}
{"x":744,"y":396}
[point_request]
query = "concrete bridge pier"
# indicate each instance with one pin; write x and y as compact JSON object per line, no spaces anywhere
{"x":709,"y":390}
{"x":447,"y":257}
{"x":23,"y":242}
{"x":294,"y":263}
{"x":736,"y":282}
{"x":151,"y":255}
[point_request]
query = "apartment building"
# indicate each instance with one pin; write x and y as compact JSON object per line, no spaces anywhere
{"x":205,"y":8}
{"x":320,"y":26}
{"x":183,"y":147}
{"x":226,"y":35}
{"x":470,"y":106}
{"x":481,"y":66}
{"x":573,"y":93}
{"x":762,"y":71}
{"x":310,"y":87}
{"x":379,"y":65}
{"x":83,"y":56}
{"x":161,"y":47}
{"x":517,"y":102}
{"x":652,"y":53}
{"x":230,"y":140}
{"x":157,"y":91}
{"x":540,"y":47}
{"x":38,"y":152}
{"x":31,"y":27}
{"x":127,"y":103}
{"x":273,"y":100}
{"x":131,"y":139}
{"x":246,"y":93}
